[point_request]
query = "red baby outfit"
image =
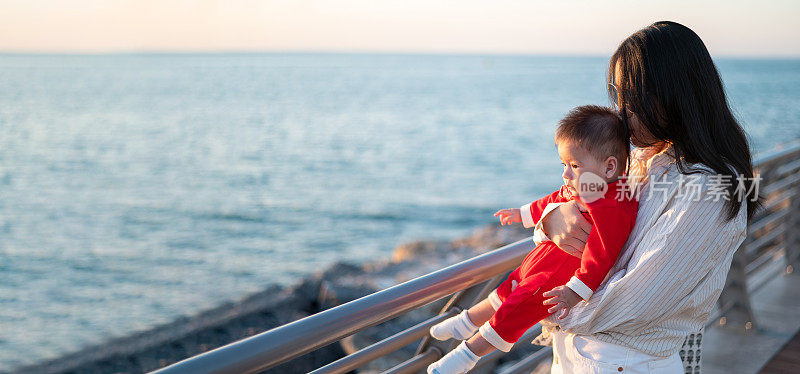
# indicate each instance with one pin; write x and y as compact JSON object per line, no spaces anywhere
{"x":518,"y":300}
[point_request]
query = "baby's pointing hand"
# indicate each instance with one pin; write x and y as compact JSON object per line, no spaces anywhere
{"x":508,"y":216}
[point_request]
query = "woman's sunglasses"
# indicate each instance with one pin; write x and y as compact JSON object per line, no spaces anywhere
{"x":623,"y":112}
{"x":614,"y":93}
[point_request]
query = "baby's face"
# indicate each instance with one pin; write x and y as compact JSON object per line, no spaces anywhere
{"x":583,"y":173}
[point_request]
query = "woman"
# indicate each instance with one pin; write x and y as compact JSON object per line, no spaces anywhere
{"x":691,"y":155}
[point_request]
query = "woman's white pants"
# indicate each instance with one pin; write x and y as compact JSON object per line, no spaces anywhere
{"x":584,"y":354}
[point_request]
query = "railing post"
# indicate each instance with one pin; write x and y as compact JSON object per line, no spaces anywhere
{"x":792,"y":236}
{"x":735,"y":295}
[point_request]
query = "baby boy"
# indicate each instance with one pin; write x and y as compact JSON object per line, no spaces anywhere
{"x":592,"y":143}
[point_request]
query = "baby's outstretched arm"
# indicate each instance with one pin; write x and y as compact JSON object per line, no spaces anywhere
{"x":509,"y":216}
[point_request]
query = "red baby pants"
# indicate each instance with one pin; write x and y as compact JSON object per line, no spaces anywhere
{"x":543,"y":269}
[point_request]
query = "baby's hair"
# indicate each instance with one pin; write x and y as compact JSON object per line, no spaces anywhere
{"x":597,"y":129}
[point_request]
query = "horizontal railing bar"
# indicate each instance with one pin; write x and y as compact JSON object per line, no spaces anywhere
{"x":788,"y":168}
{"x":490,"y":358}
{"x":383,"y":347}
{"x":286,"y":342}
{"x":464,"y":298}
{"x":762,"y":259}
{"x":417,"y":362}
{"x":753,"y":247}
{"x":771,"y":218}
{"x":781,"y":184}
{"x":772,"y":203}
{"x":777,"y":154}
{"x":528,"y":363}
{"x":760,"y":279}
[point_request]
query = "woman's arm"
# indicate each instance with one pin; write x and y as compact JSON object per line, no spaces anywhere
{"x":676,"y":272}
{"x":566,"y":227}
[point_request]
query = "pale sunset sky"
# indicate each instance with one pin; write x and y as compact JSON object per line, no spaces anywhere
{"x":766,"y":28}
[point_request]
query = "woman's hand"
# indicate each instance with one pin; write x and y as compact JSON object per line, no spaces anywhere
{"x":508,"y":216}
{"x":567,"y":228}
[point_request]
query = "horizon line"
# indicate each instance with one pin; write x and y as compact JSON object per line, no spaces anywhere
{"x":111,"y":52}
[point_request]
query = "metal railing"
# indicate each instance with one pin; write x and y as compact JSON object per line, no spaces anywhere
{"x":292,"y":340}
{"x":772,"y":247}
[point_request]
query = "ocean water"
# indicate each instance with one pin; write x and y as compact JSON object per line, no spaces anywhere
{"x":138,"y":188}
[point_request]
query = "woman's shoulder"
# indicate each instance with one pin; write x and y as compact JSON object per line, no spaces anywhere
{"x":680,"y":169}
{"x":700,"y":172}
{"x":699,"y":188}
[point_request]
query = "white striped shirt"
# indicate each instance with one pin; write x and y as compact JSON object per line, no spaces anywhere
{"x":671,"y":270}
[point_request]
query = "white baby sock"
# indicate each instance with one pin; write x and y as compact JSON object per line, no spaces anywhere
{"x":458,"y":361}
{"x":459,"y":327}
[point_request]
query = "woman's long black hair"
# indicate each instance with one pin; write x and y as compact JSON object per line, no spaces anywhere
{"x":670,"y":82}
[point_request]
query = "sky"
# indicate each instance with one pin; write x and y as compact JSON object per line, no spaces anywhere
{"x":765,"y":28}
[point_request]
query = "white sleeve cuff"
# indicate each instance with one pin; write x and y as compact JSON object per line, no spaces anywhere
{"x":539,"y":236}
{"x":527,"y":218}
{"x":538,"y":232}
{"x":495,"y":300}
{"x":580,"y":288}
{"x":494,"y":339}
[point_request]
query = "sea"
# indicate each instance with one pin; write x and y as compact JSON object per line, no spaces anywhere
{"x":138,"y":188}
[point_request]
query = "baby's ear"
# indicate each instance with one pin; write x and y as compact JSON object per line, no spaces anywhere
{"x":611,"y":166}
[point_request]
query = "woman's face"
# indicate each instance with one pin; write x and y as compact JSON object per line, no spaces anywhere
{"x":640,"y":136}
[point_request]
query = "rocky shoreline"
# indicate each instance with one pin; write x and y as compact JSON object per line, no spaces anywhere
{"x":275,"y":306}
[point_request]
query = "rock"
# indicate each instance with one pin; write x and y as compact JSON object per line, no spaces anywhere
{"x":492,"y":237}
{"x":276,"y":306}
{"x":417,"y":249}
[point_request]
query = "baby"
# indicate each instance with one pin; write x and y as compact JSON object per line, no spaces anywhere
{"x":593,"y":143}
